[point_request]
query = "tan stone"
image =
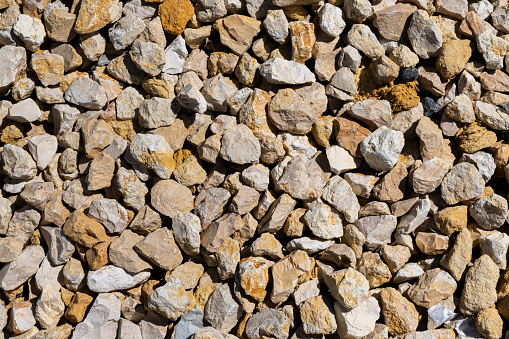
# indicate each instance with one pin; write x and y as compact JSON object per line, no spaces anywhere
{"x":84,"y":230}
{"x":161,"y":249}
{"x":452,"y":219}
{"x":474,"y":137}
{"x":100,"y":172}
{"x":78,"y":307}
{"x":400,"y":314}
{"x":94,"y":15}
{"x":254,"y":276}
{"x":392,"y":187}
{"x":285,"y":274}
{"x":303,"y":39}
{"x":349,"y":135}
{"x":453,"y":57}
{"x":432,"y":243}
{"x":97,"y":256}
{"x":237,"y":32}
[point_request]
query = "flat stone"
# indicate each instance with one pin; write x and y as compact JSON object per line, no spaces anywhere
{"x":432,"y":287}
{"x":24,"y":111}
{"x":171,"y":198}
{"x":83,"y":230}
{"x":111,"y":278}
{"x":286,"y":273}
{"x":280,"y":71}
{"x":268,"y":322}
{"x":377,"y":229}
{"x":237,"y":32}
{"x":48,"y":67}
{"x":86,"y":93}
{"x":30,"y":30}
{"x":457,"y":259}
{"x":240,"y":146}
{"x":301,"y":178}
{"x":323,"y":221}
{"x":392,"y":21}
{"x":362,"y":38}
{"x":347,"y":286}
{"x":94,"y":15}
{"x":161,"y":249}
{"x":22,"y":268}
{"x":15,"y":62}
{"x":157,"y":112}
{"x":495,"y":245}
{"x":221,"y":310}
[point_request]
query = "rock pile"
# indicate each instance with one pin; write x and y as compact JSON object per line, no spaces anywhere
{"x":213,"y":169}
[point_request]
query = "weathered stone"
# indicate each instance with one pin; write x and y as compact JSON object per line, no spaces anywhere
{"x":84,"y":230}
{"x":377,"y":229}
{"x":381,"y":149}
{"x":358,"y":322}
{"x":347,"y":286}
{"x":362,"y":38}
{"x":479,"y":292}
{"x":317,"y":316}
{"x":491,"y":212}
{"x":286,"y":273}
{"x":400,"y":314}
{"x":463,"y":182}
{"x":175,"y":15}
{"x":453,"y":57}
{"x":424,"y":35}
{"x":237,"y":32}
{"x":171,"y":198}
{"x":222,"y":311}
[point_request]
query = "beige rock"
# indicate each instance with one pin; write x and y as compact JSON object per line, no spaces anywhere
{"x":317,"y":316}
{"x":100,"y":172}
{"x":457,"y":259}
{"x":392,"y":21}
{"x":400,"y":314}
{"x":432,"y":243}
{"x":285,"y":274}
{"x":480,"y":292}
{"x":432,"y":287}
{"x":451,"y":219}
{"x":171,"y":198}
{"x":237,"y":32}
{"x":453,"y":57}
{"x":84,"y":230}
{"x":347,"y":286}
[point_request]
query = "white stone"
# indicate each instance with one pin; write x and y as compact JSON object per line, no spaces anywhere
{"x":331,"y":20}
{"x":22,"y":268}
{"x":340,"y":160}
{"x":358,"y":322}
{"x":495,"y":245}
{"x":169,"y":300}
{"x":109,"y":213}
{"x":102,"y":319}
{"x":186,"y":229}
{"x":408,"y":272}
{"x":280,"y":71}
{"x":43,"y":147}
{"x":24,"y":111}
{"x":30,"y":30}
{"x":339,"y":194}
{"x":381,"y":149}
{"x":176,"y":53}
{"x":111,"y":278}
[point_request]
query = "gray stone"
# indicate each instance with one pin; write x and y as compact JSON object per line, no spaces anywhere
{"x":381,"y":149}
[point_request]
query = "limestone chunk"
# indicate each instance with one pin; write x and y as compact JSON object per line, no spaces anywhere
{"x":479,"y":292}
{"x":424,"y":35}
